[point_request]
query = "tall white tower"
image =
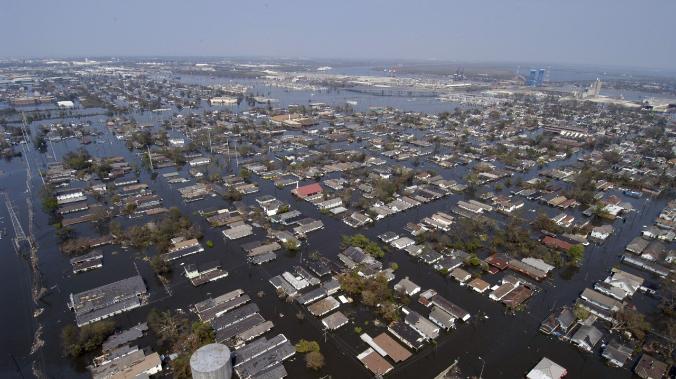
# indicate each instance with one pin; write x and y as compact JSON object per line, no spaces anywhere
{"x":211,"y":362}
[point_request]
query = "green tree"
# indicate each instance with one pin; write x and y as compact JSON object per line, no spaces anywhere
{"x":304,"y":346}
{"x":159,"y":265}
{"x":244,"y":173}
{"x":87,"y":339}
{"x":181,"y":367}
{"x":580,"y":312}
{"x":576,"y":254}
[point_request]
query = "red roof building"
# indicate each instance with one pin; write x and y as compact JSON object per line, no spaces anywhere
{"x":556,"y":243}
{"x":308,"y":190}
{"x":499,"y":261}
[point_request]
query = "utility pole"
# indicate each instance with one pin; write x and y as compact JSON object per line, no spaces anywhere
{"x":483,"y":363}
{"x":18,"y":368}
{"x":150,"y":158}
{"x":236,"y":156}
{"x":209,"y":135}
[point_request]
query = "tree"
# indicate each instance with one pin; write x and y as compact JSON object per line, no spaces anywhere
{"x":49,"y":202}
{"x":244,"y":173}
{"x":291,"y":245}
{"x":363,"y":242}
{"x":305,"y":346}
{"x":369,"y":298}
{"x":389,"y":311}
{"x":159,"y":265}
{"x":40,"y":143}
{"x":167,"y":326}
{"x":473,"y":260}
{"x":314,"y":360}
{"x":78,"y":160}
{"x":576,"y":254}
{"x":204,"y":333}
{"x":580,"y":312}
{"x":65,"y":233}
{"x":631,"y":320}
{"x":181,"y":367}
{"x":543,"y":222}
{"x":87,"y":339}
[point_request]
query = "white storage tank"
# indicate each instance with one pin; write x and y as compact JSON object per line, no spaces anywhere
{"x":211,"y":362}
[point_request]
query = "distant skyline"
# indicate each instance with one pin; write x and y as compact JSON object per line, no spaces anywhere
{"x":618,"y":33}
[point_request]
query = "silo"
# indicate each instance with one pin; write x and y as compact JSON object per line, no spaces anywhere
{"x":211,"y":362}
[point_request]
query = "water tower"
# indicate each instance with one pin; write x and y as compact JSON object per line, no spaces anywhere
{"x":211,"y":362}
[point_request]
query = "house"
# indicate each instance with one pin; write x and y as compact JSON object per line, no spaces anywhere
{"x":563,"y":220}
{"x":133,"y":364}
{"x":559,"y":323}
{"x":602,"y":232}
{"x":650,"y":368}
{"x":479,"y":285}
{"x":330,"y":203}
{"x":470,"y":207}
{"x":272,"y":207}
{"x":335,"y":321}
{"x":406,"y":286}
{"x":460,"y":275}
{"x":600,"y":300}
{"x":448,"y":263}
{"x":547,"y":369}
{"x":204,"y":273}
{"x":556,"y":243}
{"x":527,"y":269}
{"x":201,"y":161}
{"x":517,"y":297}
{"x":238,"y":231}
{"x":626,"y":282}
{"x":445,"y":305}
{"x":357,"y":220}
{"x":420,"y":324}
{"x":655,"y":251}
{"x":374,"y":362}
{"x":502,"y":291}
{"x":108,"y":300}
{"x":442,"y":318}
{"x":637,"y":245}
{"x":499,"y":261}
{"x":430,"y":257}
{"x":307,"y":225}
{"x":265,"y":199}
{"x":443,"y":219}
{"x":388,"y":237}
{"x":323,"y":306}
{"x":586,"y":337}
{"x":538,"y":264}
{"x":617,"y":354}
{"x":406,"y":335}
{"x":646,"y":265}
{"x":402,"y":243}
{"x":65,"y":104}
{"x":394,"y":350}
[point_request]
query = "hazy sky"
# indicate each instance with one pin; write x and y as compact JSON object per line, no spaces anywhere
{"x":615,"y":32}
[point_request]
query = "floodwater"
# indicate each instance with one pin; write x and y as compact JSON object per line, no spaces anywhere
{"x":288,"y":97}
{"x":508,"y":344}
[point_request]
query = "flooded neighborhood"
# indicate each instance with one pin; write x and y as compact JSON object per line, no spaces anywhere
{"x":308,"y":221}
